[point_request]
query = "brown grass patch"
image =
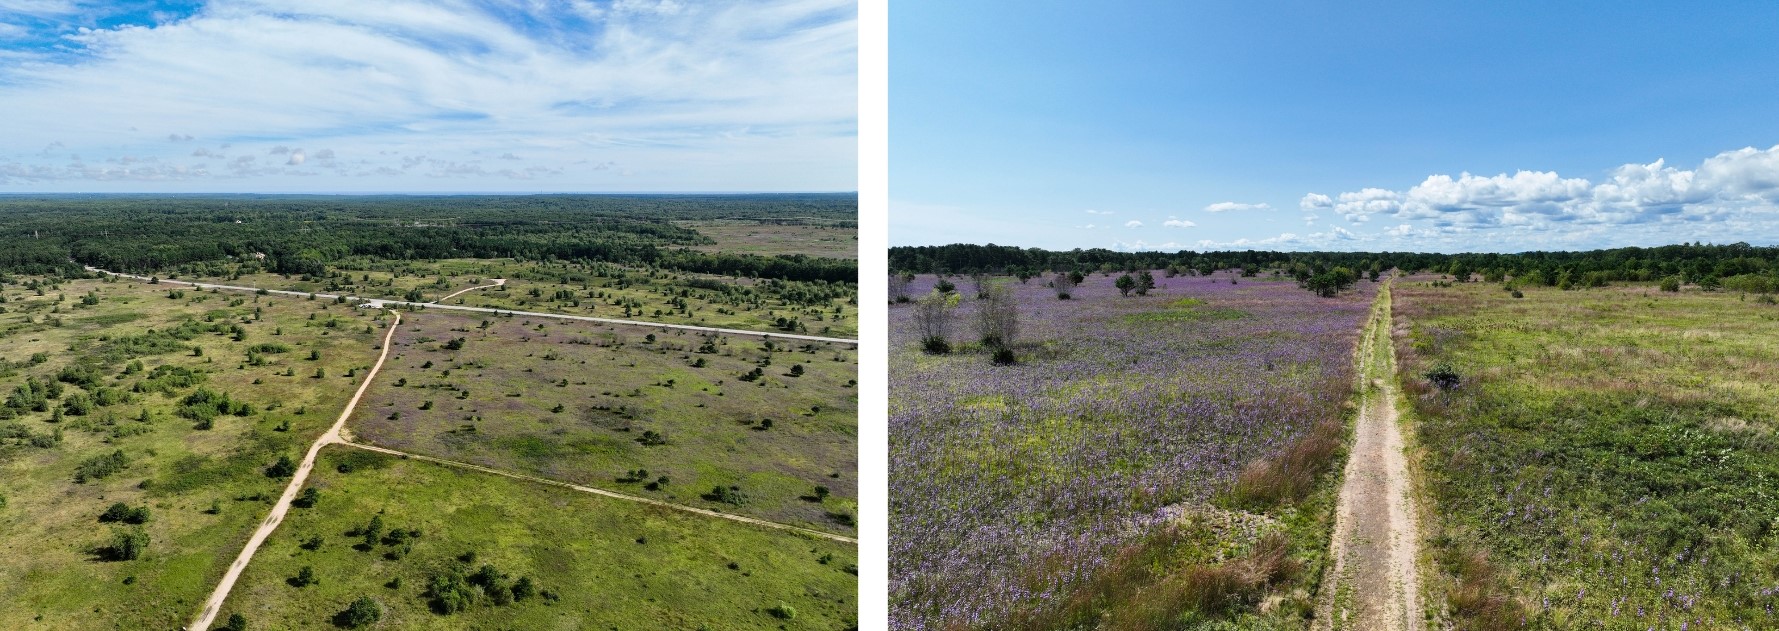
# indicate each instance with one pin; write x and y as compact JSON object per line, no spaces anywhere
{"x":1290,"y":475}
{"x":1140,"y":590}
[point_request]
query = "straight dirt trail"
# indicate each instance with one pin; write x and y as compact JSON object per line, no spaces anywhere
{"x":1373,"y":583}
{"x":214,"y":604}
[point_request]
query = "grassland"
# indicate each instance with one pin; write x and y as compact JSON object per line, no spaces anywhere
{"x":1607,"y":458}
{"x":595,"y":289}
{"x":610,"y":564}
{"x":127,"y":356}
{"x":768,"y":239}
{"x":597,"y":404}
{"x":1161,"y":461}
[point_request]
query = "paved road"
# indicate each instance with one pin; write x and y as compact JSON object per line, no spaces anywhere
{"x":212,"y":606}
{"x":379,"y":302}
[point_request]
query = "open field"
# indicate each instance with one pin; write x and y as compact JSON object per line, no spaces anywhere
{"x":1142,"y":449}
{"x":130,"y":356}
{"x":597,"y":563}
{"x":595,"y":289}
{"x":596,"y":404}
{"x":1606,"y":459}
{"x":754,"y":237}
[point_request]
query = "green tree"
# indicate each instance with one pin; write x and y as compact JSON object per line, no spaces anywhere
{"x":362,"y":612}
{"x":1125,"y":284}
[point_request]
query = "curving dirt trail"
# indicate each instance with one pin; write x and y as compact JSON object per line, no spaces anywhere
{"x":214,"y":604}
{"x":497,"y":282}
{"x":1373,"y":583}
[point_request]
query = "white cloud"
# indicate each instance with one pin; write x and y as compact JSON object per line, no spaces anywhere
{"x":1144,"y":246}
{"x":1133,"y":224}
{"x":1731,"y":184}
{"x":658,"y":86}
{"x":296,"y":157}
{"x":1098,"y":212}
{"x":1235,"y":206}
{"x":1178,"y":223}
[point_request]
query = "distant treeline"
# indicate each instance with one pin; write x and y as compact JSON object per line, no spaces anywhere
{"x":302,"y":234}
{"x":1692,"y":263}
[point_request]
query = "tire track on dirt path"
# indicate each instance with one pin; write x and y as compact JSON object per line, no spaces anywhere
{"x":1373,"y":582}
{"x":384,"y":302}
{"x":611,"y":494}
{"x":214,"y":604}
{"x":497,"y":283}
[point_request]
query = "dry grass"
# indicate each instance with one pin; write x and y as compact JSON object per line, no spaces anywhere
{"x":1478,"y":597}
{"x":1292,"y":474}
{"x":1141,"y":590}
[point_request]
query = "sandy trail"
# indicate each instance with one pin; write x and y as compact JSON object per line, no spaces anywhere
{"x":1373,"y":583}
{"x":497,"y":282}
{"x":611,"y":494}
{"x":385,"y":302}
{"x":214,"y":604}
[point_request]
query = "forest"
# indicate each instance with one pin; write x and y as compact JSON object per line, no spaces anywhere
{"x":301,"y":234}
{"x":1694,"y":263}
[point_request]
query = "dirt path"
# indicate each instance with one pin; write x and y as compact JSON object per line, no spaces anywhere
{"x":497,"y":282}
{"x":385,"y":302}
{"x":1373,"y":583}
{"x":214,"y":604}
{"x":610,"y":494}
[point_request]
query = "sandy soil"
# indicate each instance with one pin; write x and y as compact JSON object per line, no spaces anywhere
{"x":1373,"y":583}
{"x":214,"y":604}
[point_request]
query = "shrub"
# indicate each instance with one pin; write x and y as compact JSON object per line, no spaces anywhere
{"x":1517,"y":294}
{"x":935,"y":346}
{"x":524,"y":589}
{"x":304,"y":578}
{"x":237,"y":622}
{"x":126,"y":545}
{"x":120,"y":512}
{"x":1443,"y":376}
{"x":284,"y":468}
{"x":307,"y":498}
{"x":101,"y":467}
{"x":727,"y":494}
{"x":783,"y":611}
{"x":361,"y":612}
{"x":1005,"y":357}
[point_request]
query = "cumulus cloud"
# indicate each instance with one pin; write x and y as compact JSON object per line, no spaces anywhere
{"x":1133,"y":224}
{"x":1729,"y":184}
{"x":296,"y":157}
{"x":1178,"y":223}
{"x":1221,"y":207}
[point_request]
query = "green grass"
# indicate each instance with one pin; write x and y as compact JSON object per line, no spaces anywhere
{"x":572,"y":401}
{"x":753,"y":237}
{"x":615,"y":564}
{"x":598,"y":290}
{"x":50,"y":576}
{"x":1601,"y":439}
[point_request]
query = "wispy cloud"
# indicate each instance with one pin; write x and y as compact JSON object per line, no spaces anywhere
{"x":1133,"y":224}
{"x":1223,"y":207}
{"x":749,"y":95}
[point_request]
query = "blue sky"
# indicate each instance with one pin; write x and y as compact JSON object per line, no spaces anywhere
{"x":1347,"y":126}
{"x":428,"y":96}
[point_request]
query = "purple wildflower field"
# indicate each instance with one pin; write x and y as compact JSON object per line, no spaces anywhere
{"x":1010,"y":485}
